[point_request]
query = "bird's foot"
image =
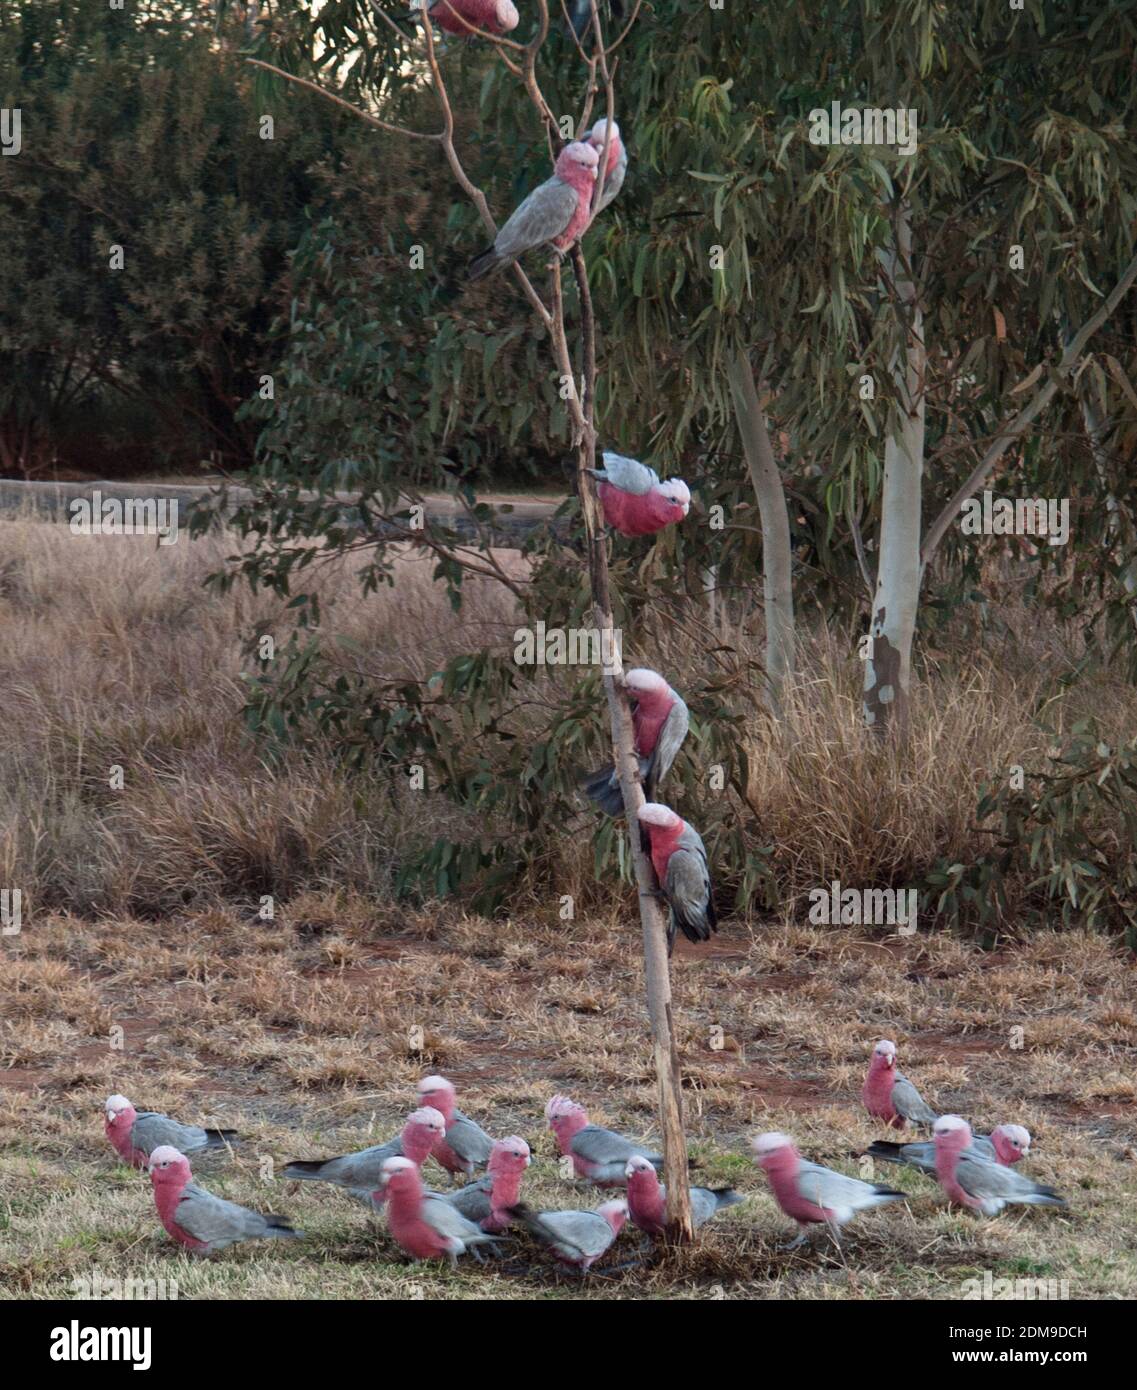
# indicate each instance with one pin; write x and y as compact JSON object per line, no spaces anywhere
{"x":801,"y":1239}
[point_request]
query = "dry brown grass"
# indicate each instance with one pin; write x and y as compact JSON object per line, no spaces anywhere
{"x":140,"y":915}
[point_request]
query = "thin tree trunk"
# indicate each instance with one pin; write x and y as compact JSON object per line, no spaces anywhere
{"x":777,"y":576}
{"x":1119,"y":533}
{"x":653,"y":916}
{"x":888,"y":668}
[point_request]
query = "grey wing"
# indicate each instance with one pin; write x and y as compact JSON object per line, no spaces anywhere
{"x":448,"y":1221}
{"x":688,"y":881}
{"x":981,"y":1146}
{"x":584,"y":1231}
{"x":629,"y":475}
{"x":542,"y":216}
{"x":473,"y":1200}
{"x":363,"y":1170}
{"x":910,"y":1103}
{"x":213,"y":1219}
{"x":993,"y":1182}
{"x":922,"y":1155}
{"x":670,"y":740}
{"x":469,"y":1140}
{"x":612,"y":184}
{"x":704,"y":1204}
{"x":827,"y":1188}
{"x":597,"y":1145}
{"x":151,"y":1131}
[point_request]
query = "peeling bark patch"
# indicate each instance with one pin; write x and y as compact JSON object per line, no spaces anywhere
{"x":880,"y":698}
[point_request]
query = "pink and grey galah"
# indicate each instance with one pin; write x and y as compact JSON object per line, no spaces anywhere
{"x":465,"y":1147}
{"x":616,"y":164}
{"x":135,"y":1134}
{"x":811,"y":1194}
{"x":577,"y":1238}
{"x":889,"y":1095}
{"x":457,"y":16}
{"x":196,"y":1218}
{"x":977,"y":1183}
{"x":362,"y":1173}
{"x":647,"y":1198}
{"x":660,"y":721}
{"x":679,"y":858}
{"x":1006,"y":1146}
{"x":424,"y":1223}
{"x":635,"y":502}
{"x":598,"y":1154}
{"x":488,"y":1199}
{"x":556,"y":213}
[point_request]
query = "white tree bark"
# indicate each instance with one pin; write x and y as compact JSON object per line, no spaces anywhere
{"x":777,"y":557}
{"x":896,"y":599}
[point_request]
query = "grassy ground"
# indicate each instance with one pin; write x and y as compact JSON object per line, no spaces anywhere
{"x":298,"y":1033}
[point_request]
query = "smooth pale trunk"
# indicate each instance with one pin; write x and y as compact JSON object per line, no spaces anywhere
{"x":777,"y":576}
{"x":897,"y":596}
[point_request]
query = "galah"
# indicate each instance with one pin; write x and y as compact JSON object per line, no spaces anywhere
{"x":465,"y":1147}
{"x":556,"y":213}
{"x":679,"y":858}
{"x":978,"y":1184}
{"x":494,"y":16}
{"x":1007,"y":1144}
{"x":660,"y":721}
{"x":577,"y":1238}
{"x":424,"y":1223}
{"x":635,"y":502}
{"x":889,"y":1095}
{"x":601,"y":1155}
{"x":616,"y":165}
{"x":362,"y":1173}
{"x":811,"y":1194}
{"x":135,"y":1134}
{"x":647,"y":1198}
{"x":196,"y":1218}
{"x":486,"y":1200}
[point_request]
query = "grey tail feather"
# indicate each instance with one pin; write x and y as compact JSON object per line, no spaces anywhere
{"x":482,"y":264}
{"x":882,"y":1191}
{"x":220,"y":1138}
{"x":1049,"y":1198}
{"x":598,"y":786}
{"x":889,"y":1153}
{"x":727,"y":1196}
{"x":279,"y":1226}
{"x":305,"y":1167}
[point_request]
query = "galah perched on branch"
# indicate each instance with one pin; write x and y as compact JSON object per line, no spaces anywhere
{"x":647,"y":1198}
{"x":635,"y":502}
{"x":660,"y":721}
{"x":601,"y":1155}
{"x":577,"y":1238}
{"x":362,"y":1173}
{"x":135,"y":1134}
{"x":465,"y":1147}
{"x":889,"y":1095}
{"x":1007,"y":1144}
{"x":811,"y":1194}
{"x":679,"y":858}
{"x":616,"y":166}
{"x":556,"y":213}
{"x":978,"y":1184}
{"x":494,"y":16}
{"x":196,"y":1218}
{"x":424,"y":1223}
{"x":486,"y":1201}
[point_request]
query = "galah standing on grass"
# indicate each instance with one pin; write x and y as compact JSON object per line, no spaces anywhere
{"x":556,"y":213}
{"x":647,"y":1198}
{"x":465,"y":1147}
{"x":577,"y":1238}
{"x":486,"y":1200}
{"x":424,"y":1223}
{"x":196,"y":1218}
{"x":635,"y":502}
{"x":660,"y":721}
{"x":135,"y":1134}
{"x":1007,"y":1144}
{"x":978,"y":1184}
{"x":362,"y":1173}
{"x":679,"y":858}
{"x":616,"y":167}
{"x":494,"y":16}
{"x":812,"y":1194}
{"x":889,"y":1095}
{"x":601,"y":1155}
